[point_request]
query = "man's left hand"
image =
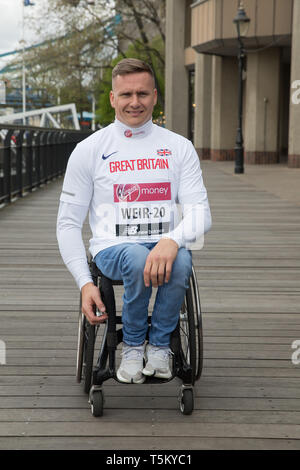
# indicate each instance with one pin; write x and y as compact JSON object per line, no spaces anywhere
{"x":159,"y":262}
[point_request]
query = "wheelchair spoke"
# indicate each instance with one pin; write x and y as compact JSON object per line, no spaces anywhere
{"x":184,"y":333}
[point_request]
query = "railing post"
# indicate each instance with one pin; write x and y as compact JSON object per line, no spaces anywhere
{"x":65,"y":155}
{"x":56,"y":153}
{"x":51,"y":148}
{"x":37,"y":157}
{"x":7,"y":166}
{"x":47,"y":145}
{"x":59,"y":152}
{"x":43,"y":156}
{"x":19,"y":161}
{"x":29,"y":159}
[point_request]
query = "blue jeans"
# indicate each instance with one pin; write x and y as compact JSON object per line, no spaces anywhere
{"x":126,"y":262}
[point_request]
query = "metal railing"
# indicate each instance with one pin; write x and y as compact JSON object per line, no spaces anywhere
{"x":33,"y":156}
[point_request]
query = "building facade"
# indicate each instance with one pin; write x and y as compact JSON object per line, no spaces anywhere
{"x":202,"y":78}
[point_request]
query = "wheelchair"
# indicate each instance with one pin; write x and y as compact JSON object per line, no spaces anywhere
{"x":97,"y":345}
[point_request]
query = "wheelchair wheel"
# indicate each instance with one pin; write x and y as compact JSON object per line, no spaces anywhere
{"x":190,"y":325}
{"x":198,"y":325}
{"x":186,"y":401}
{"x":85,"y":350}
{"x":187,"y":333}
{"x":80,"y":342}
{"x":88,"y":354}
{"x":97,"y":402}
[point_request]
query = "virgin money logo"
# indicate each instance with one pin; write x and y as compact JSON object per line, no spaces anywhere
{"x":142,"y":192}
{"x":126,"y":192}
{"x":129,"y":133}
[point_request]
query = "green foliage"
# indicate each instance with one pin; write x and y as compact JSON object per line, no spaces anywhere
{"x":105,"y":114}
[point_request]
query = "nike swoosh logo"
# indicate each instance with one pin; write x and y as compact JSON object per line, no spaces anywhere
{"x":104,"y":157}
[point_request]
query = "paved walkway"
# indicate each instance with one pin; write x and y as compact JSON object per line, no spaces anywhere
{"x":249,"y":270}
{"x":279,"y":180}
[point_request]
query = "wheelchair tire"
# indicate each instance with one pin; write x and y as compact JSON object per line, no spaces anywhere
{"x":97,"y":402}
{"x":80,"y":345}
{"x":85,"y":350}
{"x":187,"y":401}
{"x":88,"y":354}
{"x":198,"y":325}
{"x":188,"y":333}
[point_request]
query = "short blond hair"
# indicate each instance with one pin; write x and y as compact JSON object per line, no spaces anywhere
{"x":126,"y":66}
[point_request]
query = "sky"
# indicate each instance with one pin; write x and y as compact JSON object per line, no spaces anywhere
{"x":11,"y":25}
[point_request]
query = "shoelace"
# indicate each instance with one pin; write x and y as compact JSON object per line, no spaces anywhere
{"x":133,"y":353}
{"x":162,"y":353}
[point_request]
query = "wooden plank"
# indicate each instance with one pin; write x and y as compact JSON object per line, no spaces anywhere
{"x":142,"y":443}
{"x":153,"y":402}
{"x":29,"y":370}
{"x":220,"y":390}
{"x":251,"y":372}
{"x":279,"y":350}
{"x":161,"y":416}
{"x":82,"y":429}
{"x":29,"y":374}
{"x":65,"y":358}
{"x":70,"y":342}
{"x":207,"y":380}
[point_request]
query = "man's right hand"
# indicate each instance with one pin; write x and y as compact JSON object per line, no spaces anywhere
{"x":91,"y":297}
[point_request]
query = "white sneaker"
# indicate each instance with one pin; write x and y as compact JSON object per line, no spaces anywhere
{"x":131,"y":367}
{"x":158,"y":362}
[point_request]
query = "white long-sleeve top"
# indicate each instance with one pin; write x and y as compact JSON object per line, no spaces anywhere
{"x":131,"y":181}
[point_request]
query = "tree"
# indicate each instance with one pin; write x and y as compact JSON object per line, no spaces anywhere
{"x":144,"y":20}
{"x":81,"y":40}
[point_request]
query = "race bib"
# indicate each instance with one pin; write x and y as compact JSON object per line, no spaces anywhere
{"x":142,"y":209}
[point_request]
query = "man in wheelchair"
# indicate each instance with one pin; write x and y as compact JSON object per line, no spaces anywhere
{"x":130,"y":176}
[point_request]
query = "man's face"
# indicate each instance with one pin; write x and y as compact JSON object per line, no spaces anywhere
{"x":133,"y":97}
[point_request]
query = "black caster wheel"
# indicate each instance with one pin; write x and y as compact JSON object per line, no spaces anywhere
{"x":97,"y":402}
{"x":186,"y":401}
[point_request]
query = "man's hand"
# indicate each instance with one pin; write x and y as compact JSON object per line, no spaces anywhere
{"x":159,"y":262}
{"x":91,"y":297}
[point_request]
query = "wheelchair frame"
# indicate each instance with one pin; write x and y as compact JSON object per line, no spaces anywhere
{"x":186,"y":345}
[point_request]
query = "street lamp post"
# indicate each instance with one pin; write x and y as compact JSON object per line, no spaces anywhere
{"x":23,"y":69}
{"x":242,"y":24}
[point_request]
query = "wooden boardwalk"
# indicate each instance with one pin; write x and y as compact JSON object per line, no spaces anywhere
{"x":249,"y":394}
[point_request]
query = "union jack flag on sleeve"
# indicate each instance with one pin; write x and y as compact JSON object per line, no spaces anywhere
{"x":164,"y":152}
